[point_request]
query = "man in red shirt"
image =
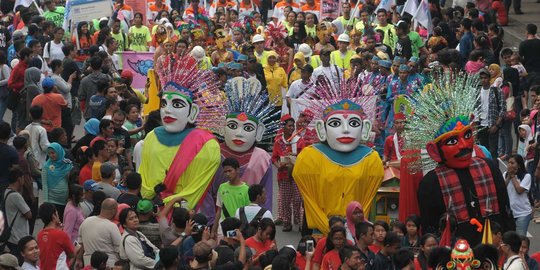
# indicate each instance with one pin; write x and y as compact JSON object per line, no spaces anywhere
{"x":52,"y":240}
{"x":51,"y":103}
{"x":16,"y":81}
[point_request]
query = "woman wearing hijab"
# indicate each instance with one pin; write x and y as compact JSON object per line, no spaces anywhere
{"x":355,"y":215}
{"x":54,"y":176}
{"x":495,"y":73}
{"x":91,"y":129}
{"x":32,"y":87}
{"x":276,"y":79}
{"x":299,"y":63}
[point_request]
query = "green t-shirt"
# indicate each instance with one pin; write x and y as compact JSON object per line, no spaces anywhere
{"x":232,"y":197}
{"x":416,"y":42}
{"x":121,"y":39}
{"x":139,"y":38}
{"x":390,"y":37}
{"x":56,"y":16}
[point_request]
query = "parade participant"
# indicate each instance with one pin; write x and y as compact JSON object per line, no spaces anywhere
{"x":462,"y":257}
{"x":237,"y":36}
{"x":186,"y":170}
{"x":342,"y":56}
{"x":312,"y":60}
{"x":248,"y":120}
{"x":471,"y":189}
{"x":286,"y":148}
{"x":397,"y":90}
{"x":221,"y":3}
{"x":276,"y":34}
{"x":338,"y":170}
{"x":393,"y":145}
{"x":221,"y":55}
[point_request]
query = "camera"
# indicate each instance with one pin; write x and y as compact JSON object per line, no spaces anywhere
{"x":197,"y":228}
{"x":231,"y":233}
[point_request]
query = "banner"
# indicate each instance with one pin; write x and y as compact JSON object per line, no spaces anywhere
{"x":138,"y":63}
{"x":330,"y":9}
{"x":88,"y":10}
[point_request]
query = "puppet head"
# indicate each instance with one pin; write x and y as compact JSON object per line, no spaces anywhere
{"x":462,"y":257}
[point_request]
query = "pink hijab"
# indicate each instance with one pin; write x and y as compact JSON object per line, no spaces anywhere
{"x":350,"y":210}
{"x":116,"y":219}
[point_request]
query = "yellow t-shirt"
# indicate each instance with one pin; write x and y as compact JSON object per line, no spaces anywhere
{"x":96,"y":171}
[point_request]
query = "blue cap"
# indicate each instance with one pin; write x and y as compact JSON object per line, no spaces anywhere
{"x":233,"y":65}
{"x":91,"y":185}
{"x":398,"y":60}
{"x":375,"y":58}
{"x":414,"y":59}
{"x":404,"y":68}
{"x":385,"y":63}
{"x":48,"y":83}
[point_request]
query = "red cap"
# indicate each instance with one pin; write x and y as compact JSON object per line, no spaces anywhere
{"x":400,"y":116}
{"x":285,"y":118}
{"x":126,"y":74}
{"x":308,"y":113}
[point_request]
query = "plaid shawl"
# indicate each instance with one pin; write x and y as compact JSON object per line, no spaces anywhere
{"x":452,"y":191}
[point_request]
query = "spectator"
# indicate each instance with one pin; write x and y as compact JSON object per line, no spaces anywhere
{"x":53,"y":48}
{"x":117,"y":158}
{"x":232,"y":194}
{"x":335,"y":241}
{"x":202,"y":253}
{"x":54,"y":244}
{"x":28,"y":167}
{"x":355,"y":215}
{"x":427,"y":243}
{"x":17,"y":212}
{"x":380,"y":228}
{"x":101,"y":155}
{"x":120,"y":133}
{"x":135,"y":247}
{"x":33,"y":88}
{"x":131,"y":196}
{"x":510,"y":248}
{"x":30,"y":253}
{"x":105,"y":132}
{"x":98,"y":261}
{"x":350,"y":257}
{"x":16,"y":83}
{"x":99,"y":233}
{"x":254,"y":211}
{"x":232,"y":239}
{"x":364,"y":236}
{"x":90,"y":84}
{"x":200,"y":232}
{"x":91,"y":130}
{"x":404,"y":259}
{"x":73,"y":214}
{"x":5,"y":72}
{"x":532,"y":264}
{"x":54,"y":174}
{"x":9,"y":262}
{"x":147,"y":221}
{"x":70,"y":67}
{"x":168,"y":259}
{"x":264,"y":239}
{"x":518,"y":184}
{"x":530,"y":56}
{"x":38,"y":135}
{"x":466,"y":41}
{"x":383,"y":259}
{"x":180,"y":227}
{"x":107,"y":171}
{"x":52,"y":104}
{"x":492,"y":111}
{"x":334,"y":221}
{"x":412,"y":236}
{"x":8,"y":155}
{"x":87,"y":204}
{"x":96,"y":103}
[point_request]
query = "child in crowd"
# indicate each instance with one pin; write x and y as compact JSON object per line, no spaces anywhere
{"x":410,"y":239}
{"x":380,"y":229}
{"x":398,"y":227}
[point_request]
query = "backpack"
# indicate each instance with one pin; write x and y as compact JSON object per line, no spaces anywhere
{"x":147,"y":249}
{"x":6,"y":233}
{"x":249,"y":229}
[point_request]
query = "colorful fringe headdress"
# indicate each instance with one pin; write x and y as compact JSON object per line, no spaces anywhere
{"x":246,"y":100}
{"x":274,"y":32}
{"x":348,"y":95}
{"x":199,"y":87}
{"x":451,"y":99}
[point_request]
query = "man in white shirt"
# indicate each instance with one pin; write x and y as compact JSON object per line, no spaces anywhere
{"x":38,"y":135}
{"x":257,"y":197}
{"x":302,"y":87}
{"x":510,"y":248}
{"x":332,"y":73}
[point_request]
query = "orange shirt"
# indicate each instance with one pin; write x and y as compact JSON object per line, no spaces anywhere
{"x":52,"y":104}
{"x":308,"y":8}
{"x":258,"y":246}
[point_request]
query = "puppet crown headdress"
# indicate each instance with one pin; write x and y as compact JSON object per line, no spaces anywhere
{"x":448,"y":103}
{"x":200,"y":87}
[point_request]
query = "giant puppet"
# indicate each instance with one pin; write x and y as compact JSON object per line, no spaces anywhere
{"x":467,"y":187}
{"x":248,"y":120}
{"x":178,"y":154}
{"x":339,"y":169}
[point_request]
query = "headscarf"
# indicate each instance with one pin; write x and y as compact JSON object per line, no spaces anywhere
{"x":300,"y":56}
{"x":57,"y":169}
{"x":522,"y":145}
{"x":92,"y":126}
{"x":350,"y":210}
{"x":498,"y":72}
{"x":32,"y":76}
{"x":116,"y":220}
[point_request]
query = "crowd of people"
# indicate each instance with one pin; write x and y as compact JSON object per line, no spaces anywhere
{"x":89,"y":191}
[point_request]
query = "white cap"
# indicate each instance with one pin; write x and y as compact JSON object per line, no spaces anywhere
{"x":103,"y":19}
{"x":168,"y":24}
{"x":257,"y":38}
{"x":163,"y":21}
{"x":198,"y":53}
{"x":14,"y":62}
{"x":305,"y":49}
{"x":344,"y":38}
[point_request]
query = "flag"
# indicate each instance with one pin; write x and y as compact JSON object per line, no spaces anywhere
{"x":423,"y":16}
{"x":487,"y":237}
{"x":410,"y":7}
{"x":25,"y":3}
{"x":446,"y":237}
{"x":386,"y":4}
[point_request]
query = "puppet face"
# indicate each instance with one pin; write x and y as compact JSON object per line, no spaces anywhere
{"x":462,"y":257}
{"x":221,"y":39}
{"x":177,"y":111}
{"x":343,"y":130}
{"x":241,"y":132}
{"x":454,"y":148}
